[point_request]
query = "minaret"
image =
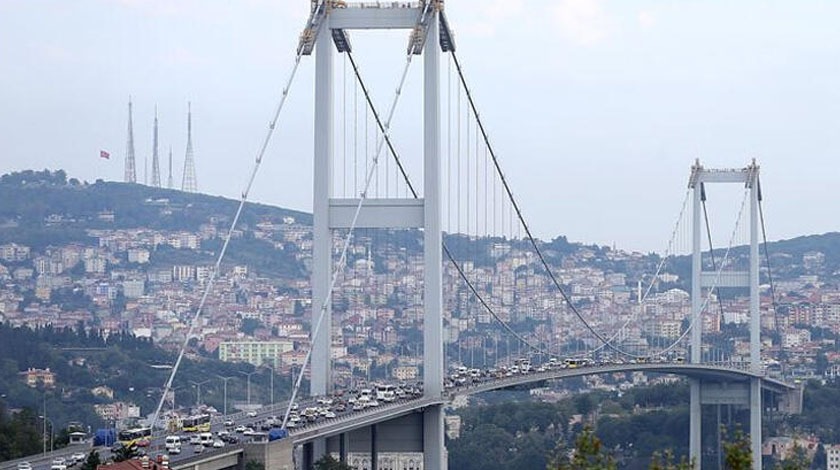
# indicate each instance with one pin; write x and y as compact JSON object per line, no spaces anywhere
{"x":189,"y":182}
{"x":130,"y":171}
{"x":155,"y":160}
{"x":169,"y":181}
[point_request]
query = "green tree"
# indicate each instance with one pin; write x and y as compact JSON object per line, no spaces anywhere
{"x":328,"y":462}
{"x":92,"y":461}
{"x":254,"y":465}
{"x":665,"y":461}
{"x":588,"y":454}
{"x":737,"y":453}
{"x":797,"y":460}
{"x":125,"y":453}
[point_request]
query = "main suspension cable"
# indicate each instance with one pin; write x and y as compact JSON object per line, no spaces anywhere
{"x":517,"y":209}
{"x":696,"y":315}
{"x":383,"y":128}
{"x":669,"y":250}
{"x":767,"y":257}
{"x":709,"y":235}
{"x":371,"y":171}
{"x":212,"y":277}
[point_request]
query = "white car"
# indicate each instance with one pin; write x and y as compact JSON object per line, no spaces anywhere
{"x":24,"y":466}
{"x":252,"y":414}
{"x":79,"y":457}
{"x":229,"y":423}
{"x":241,"y":428}
{"x":218,"y":444}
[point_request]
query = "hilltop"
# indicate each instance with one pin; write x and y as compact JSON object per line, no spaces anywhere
{"x":41,"y":208}
{"x":44,"y":208}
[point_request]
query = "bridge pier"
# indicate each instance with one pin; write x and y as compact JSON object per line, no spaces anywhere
{"x":755,"y":422}
{"x":695,"y":428}
{"x":745,"y":395}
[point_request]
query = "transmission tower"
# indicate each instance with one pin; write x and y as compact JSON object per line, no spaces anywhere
{"x":169,"y":181}
{"x":189,"y":182}
{"x":155,"y":160}
{"x":130,"y":170}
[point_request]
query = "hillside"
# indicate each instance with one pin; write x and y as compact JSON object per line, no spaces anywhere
{"x":129,"y":366}
{"x":41,"y":208}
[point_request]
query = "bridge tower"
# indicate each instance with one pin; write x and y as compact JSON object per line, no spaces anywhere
{"x":715,"y":393}
{"x":326,"y":32}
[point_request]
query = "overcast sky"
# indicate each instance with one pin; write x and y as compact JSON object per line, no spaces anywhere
{"x":596,"y":108}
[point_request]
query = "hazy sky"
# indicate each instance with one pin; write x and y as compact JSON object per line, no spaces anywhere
{"x":596,"y":108}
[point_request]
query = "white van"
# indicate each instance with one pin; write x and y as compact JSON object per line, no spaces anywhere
{"x":206,"y":439}
{"x":173,"y":444}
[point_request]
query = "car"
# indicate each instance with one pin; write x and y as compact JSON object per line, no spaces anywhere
{"x":218,"y":443}
{"x":240,"y":429}
{"x":59,"y":461}
{"x":174,"y":450}
{"x":58,"y":467}
{"x":79,"y":457}
{"x":198,"y":448}
{"x":329,"y":414}
{"x":229,"y":423}
{"x":252,"y":414}
{"x":24,"y":466}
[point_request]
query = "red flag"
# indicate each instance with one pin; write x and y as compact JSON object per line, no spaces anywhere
{"x":104,"y":154}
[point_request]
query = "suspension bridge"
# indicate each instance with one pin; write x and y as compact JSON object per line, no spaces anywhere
{"x":473,"y":287}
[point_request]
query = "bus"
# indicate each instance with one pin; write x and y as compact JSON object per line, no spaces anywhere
{"x":135,"y":437}
{"x":574,"y":363}
{"x":197,"y":423}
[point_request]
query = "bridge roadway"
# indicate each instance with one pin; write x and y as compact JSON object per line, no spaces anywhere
{"x":351,"y":420}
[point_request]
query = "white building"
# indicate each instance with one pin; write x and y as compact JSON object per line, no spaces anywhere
{"x":833,"y":457}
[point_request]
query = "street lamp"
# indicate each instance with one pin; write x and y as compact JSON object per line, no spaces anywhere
{"x":198,"y":390}
{"x":52,"y":432}
{"x":271,"y":370}
{"x":172,"y":390}
{"x":249,"y":374}
{"x":225,"y":380}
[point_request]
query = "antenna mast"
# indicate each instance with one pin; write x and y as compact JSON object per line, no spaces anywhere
{"x":169,"y":181}
{"x":155,"y":160}
{"x":130,"y":171}
{"x":189,"y":182}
